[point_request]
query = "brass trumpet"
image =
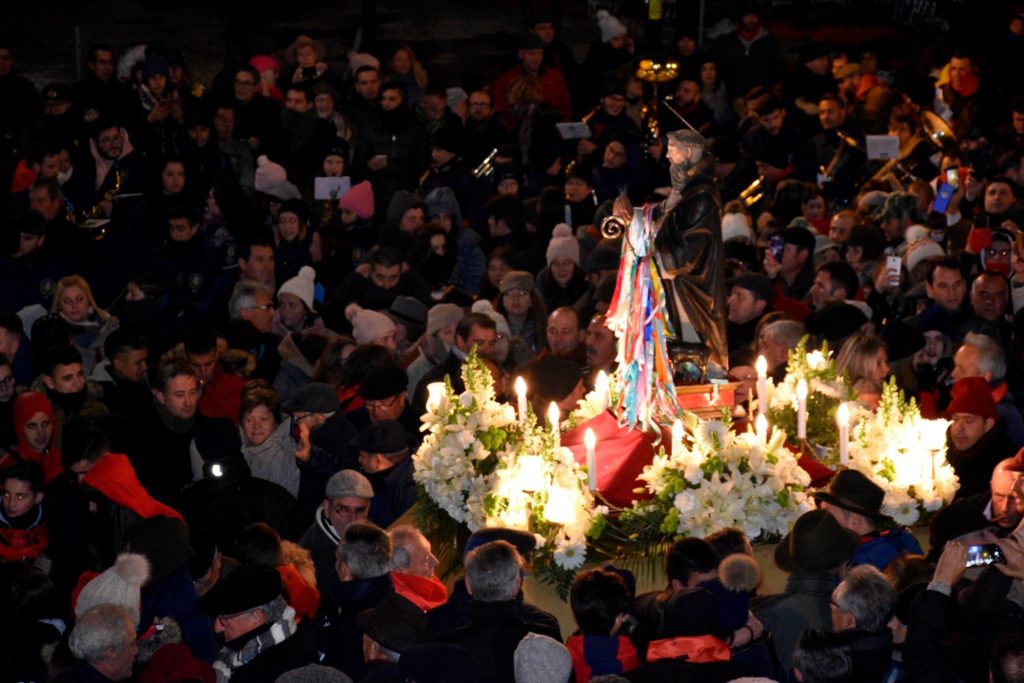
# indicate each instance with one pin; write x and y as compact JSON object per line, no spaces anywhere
{"x":754,"y":192}
{"x":571,"y":166}
{"x":486,"y":167}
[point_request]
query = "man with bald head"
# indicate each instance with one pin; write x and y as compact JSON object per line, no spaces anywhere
{"x":1006,"y":494}
{"x":563,"y":335}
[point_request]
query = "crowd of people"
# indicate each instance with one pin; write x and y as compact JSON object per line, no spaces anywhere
{"x":222,"y":304}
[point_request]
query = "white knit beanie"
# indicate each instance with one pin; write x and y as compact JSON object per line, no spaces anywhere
{"x":272,"y":179}
{"x":609,"y":25}
{"x":541,"y":659}
{"x":736,"y":226}
{"x":301,"y":285}
{"x":916,"y":233}
{"x":118,"y":585}
{"x":563,"y":244}
{"x":484,"y":306}
{"x":369,"y":326}
{"x":921,"y":250}
{"x":443,"y":315}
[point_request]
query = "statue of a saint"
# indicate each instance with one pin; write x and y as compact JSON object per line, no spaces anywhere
{"x":689,"y":257}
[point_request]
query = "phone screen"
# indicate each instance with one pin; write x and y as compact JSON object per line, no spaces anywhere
{"x":777,"y":245}
{"x":953,"y":177}
{"x":942,"y":197}
{"x":984,"y":555}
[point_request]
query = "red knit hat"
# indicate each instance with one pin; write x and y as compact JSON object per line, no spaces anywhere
{"x":359,"y":199}
{"x":972,"y":395}
{"x":27,"y":405}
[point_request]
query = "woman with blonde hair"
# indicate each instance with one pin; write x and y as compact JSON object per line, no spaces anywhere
{"x":865,"y":359}
{"x":74,"y":302}
{"x":402,"y":66}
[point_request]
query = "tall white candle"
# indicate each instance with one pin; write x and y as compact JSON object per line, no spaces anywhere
{"x":554,"y":415}
{"x":801,"y":409}
{"x":761,"y":428}
{"x":761,"y":365}
{"x":521,"y":398}
{"x":601,"y":388}
{"x":843,"y":420}
{"x":677,"y":438}
{"x":590,"y":441}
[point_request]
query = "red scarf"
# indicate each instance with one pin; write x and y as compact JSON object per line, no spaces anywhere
{"x":696,"y":649}
{"x":425,"y":593}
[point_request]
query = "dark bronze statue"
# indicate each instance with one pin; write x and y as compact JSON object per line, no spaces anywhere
{"x":690,"y":258}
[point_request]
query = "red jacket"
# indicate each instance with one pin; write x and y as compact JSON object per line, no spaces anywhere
{"x":553,"y":91}
{"x":303,"y":597}
{"x":114,"y":477}
{"x":25,"y":407}
{"x":222,"y":396}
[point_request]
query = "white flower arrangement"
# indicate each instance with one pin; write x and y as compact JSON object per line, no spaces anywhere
{"x":905,"y":454}
{"x":482,"y":466}
{"x":716,"y":479}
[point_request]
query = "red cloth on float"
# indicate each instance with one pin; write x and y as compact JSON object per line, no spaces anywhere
{"x":621,"y":455}
{"x":114,"y":477}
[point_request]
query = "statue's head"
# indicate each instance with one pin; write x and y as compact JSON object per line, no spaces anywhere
{"x":685,"y":147}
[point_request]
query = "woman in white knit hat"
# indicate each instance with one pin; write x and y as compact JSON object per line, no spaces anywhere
{"x":563,"y":281}
{"x":295,"y":305}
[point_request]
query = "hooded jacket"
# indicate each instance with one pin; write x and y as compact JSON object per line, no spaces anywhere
{"x":25,"y":407}
{"x":114,"y":477}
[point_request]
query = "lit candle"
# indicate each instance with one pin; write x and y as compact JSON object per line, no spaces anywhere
{"x":554,"y":415}
{"x":601,"y":388}
{"x":801,"y":409}
{"x":521,"y":398}
{"x":677,"y":438}
{"x":761,"y":427}
{"x":559,"y":508}
{"x":531,"y":472}
{"x":590,"y":441}
{"x":762,"y":385}
{"x":843,"y":420}
{"x":435,"y":391}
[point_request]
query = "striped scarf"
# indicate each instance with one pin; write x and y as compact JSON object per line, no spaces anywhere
{"x":228,"y":660}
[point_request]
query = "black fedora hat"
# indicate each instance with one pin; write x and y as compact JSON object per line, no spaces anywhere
{"x":815,"y":544}
{"x":853,"y":491}
{"x":396,"y":623}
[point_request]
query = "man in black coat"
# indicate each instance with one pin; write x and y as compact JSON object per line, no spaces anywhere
{"x":496,"y":625}
{"x":861,"y":608}
{"x":362,"y":580}
{"x":250,"y":613}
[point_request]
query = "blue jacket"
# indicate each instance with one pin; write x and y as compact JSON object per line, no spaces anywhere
{"x":881,"y":550}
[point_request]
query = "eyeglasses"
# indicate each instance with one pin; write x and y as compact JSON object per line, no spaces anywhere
{"x":385,"y":403}
{"x":264,"y":307}
{"x":997,"y":253}
{"x":344,"y":510}
{"x":109,"y":140}
{"x":7,"y":381}
{"x":517,"y":293}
